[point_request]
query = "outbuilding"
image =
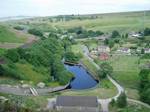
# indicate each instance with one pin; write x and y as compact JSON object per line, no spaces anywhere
{"x":77,"y":104}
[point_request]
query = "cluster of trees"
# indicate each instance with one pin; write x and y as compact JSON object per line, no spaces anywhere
{"x":121,"y":102}
{"x":35,"y":32}
{"x":47,"y":53}
{"x":105,"y":69}
{"x":144,"y":88}
{"x":83,"y":33}
{"x":115,"y":37}
{"x":18,"y":28}
{"x":146,"y":31}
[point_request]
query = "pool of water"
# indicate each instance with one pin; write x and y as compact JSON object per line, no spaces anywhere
{"x":82,"y":78}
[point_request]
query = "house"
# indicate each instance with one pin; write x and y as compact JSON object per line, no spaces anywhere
{"x":104,"y":56}
{"x":103,"y":49}
{"x":147,"y":50}
{"x":124,"y":50}
{"x":135,"y":35}
{"x":77,"y":104}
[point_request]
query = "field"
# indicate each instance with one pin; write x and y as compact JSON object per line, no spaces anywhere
{"x":123,"y":22}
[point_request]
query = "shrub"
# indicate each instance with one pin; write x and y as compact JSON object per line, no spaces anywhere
{"x":35,"y":32}
{"x":122,"y":100}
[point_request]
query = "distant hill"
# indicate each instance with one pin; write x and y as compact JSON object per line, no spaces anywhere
{"x":14,"y":18}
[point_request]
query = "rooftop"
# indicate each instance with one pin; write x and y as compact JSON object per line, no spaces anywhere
{"x":77,"y":101}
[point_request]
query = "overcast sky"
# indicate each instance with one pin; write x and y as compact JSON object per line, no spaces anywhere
{"x":62,"y":7}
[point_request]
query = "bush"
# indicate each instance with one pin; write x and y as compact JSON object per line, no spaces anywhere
{"x":105,"y":69}
{"x":35,"y":32}
{"x":115,"y":34}
{"x":18,"y":28}
{"x":122,"y":100}
{"x":13,"y":55}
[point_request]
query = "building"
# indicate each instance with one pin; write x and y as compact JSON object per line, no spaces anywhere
{"x":124,"y":50}
{"x":147,"y":50}
{"x":104,"y":56}
{"x":103,"y":49}
{"x":135,"y":35}
{"x":77,"y":104}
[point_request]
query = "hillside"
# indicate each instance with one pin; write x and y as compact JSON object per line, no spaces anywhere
{"x":6,"y":35}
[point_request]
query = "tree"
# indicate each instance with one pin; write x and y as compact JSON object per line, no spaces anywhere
{"x":35,"y":32}
{"x":146,"y":31}
{"x":105,"y":69}
{"x":115,"y":34}
{"x":13,"y":55}
{"x":122,"y":100}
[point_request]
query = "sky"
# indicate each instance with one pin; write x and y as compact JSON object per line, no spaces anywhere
{"x":63,"y":7}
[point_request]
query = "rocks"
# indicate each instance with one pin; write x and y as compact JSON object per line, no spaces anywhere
{"x":41,"y":85}
{"x":25,"y":86}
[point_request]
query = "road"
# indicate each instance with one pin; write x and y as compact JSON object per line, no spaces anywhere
{"x":105,"y":102}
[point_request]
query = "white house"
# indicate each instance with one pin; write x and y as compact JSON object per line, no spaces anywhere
{"x":103,"y":49}
{"x":124,"y":50}
{"x":147,"y":50}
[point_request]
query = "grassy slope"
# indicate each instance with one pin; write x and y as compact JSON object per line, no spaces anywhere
{"x":31,"y":74}
{"x":6,"y":35}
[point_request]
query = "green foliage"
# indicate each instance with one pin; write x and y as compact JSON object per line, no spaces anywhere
{"x":146,"y":56}
{"x":115,"y":34}
{"x":147,"y":31}
{"x":105,"y":69}
{"x":35,"y":32}
{"x":122,"y":100}
{"x":18,"y":28}
{"x":13,"y":55}
{"x":71,"y":57}
{"x":144,"y":89}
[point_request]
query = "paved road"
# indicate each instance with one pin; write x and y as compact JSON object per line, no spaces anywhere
{"x":27,"y":91}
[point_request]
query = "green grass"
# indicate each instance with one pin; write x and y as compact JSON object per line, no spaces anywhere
{"x":103,"y":90}
{"x":77,"y":48}
{"x":126,"y":70}
{"x":2,"y":51}
{"x":89,"y":66}
{"x":123,"y":22}
{"x":6,"y":35}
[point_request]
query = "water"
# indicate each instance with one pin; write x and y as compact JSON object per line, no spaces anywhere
{"x":82,"y":80}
